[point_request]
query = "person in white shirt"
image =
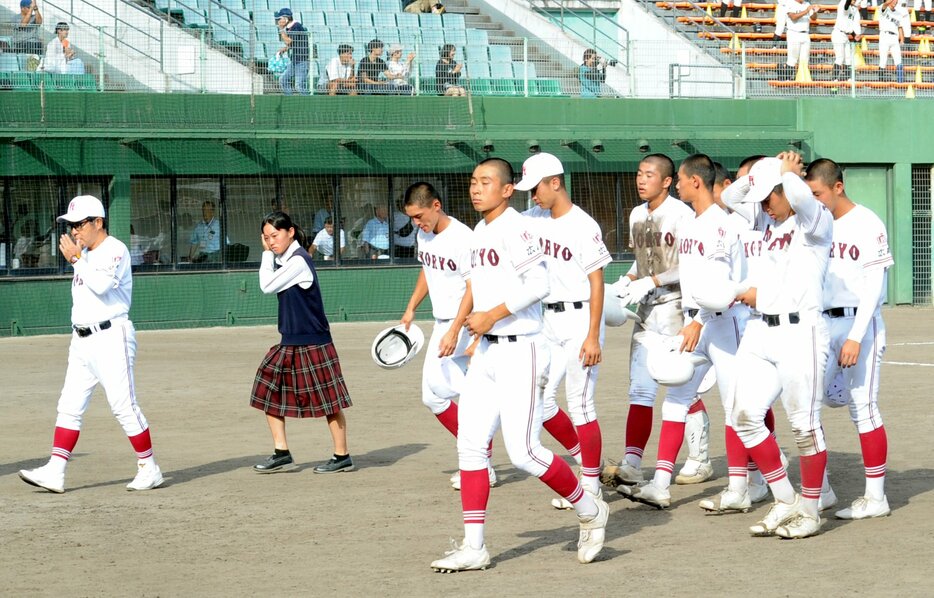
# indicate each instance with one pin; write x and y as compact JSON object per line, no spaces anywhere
{"x":323,"y":242}
{"x":508,"y":370}
{"x":854,"y":290}
{"x":102,"y":349}
{"x":339,"y":77}
{"x":846,"y":29}
{"x":894,"y":30}
{"x":399,"y":70}
{"x":60,"y":56}
{"x":797,"y":25}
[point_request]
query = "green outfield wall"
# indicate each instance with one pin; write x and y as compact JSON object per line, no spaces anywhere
{"x":117,"y":137}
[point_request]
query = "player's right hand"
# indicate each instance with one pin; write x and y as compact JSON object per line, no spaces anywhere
{"x":448,"y":342}
{"x":691,"y":334}
{"x":748,"y":297}
{"x":407,"y":318}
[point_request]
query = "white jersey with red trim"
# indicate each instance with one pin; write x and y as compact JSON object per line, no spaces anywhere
{"x":709,"y":253}
{"x":102,"y":286}
{"x":501,"y":252}
{"x":574,"y":248}
{"x":445,"y":259}
{"x":860,"y":243}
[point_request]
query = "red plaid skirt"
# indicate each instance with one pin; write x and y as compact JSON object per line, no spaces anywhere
{"x":300,"y":381}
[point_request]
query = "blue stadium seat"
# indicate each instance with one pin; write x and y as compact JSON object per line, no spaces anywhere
{"x":458,"y":37}
{"x":360,"y":19}
{"x":432,"y":37}
{"x":389,"y":5}
{"x":303,"y":6}
{"x":500,"y":54}
{"x":346,"y":5}
{"x":383,"y":20}
{"x":453,"y":21}
{"x":478,"y":37}
{"x":313,"y":19}
{"x":519,"y":69}
{"x":325,"y":5}
{"x":368,"y":6}
{"x":430,"y":21}
{"x":320,"y":35}
{"x":477,"y":53}
{"x":389,"y":36}
{"x":407,"y":20}
{"x":502,"y":82}
{"x":8,"y":63}
{"x":363,"y":35}
{"x":478,"y":69}
{"x":337,"y":19}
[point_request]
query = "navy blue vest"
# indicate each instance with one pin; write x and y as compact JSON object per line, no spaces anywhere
{"x":301,"y":311}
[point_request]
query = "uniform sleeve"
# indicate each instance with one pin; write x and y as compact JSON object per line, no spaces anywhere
{"x":593,"y":253}
{"x":877,"y":244}
{"x":815,"y":220}
{"x":463,"y":258}
{"x":869,"y":300}
{"x":524,"y":250}
{"x":102,"y":279}
{"x":535,"y":287}
{"x":294,"y":272}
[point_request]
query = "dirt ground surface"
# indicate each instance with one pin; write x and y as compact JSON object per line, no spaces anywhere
{"x":218,"y":529}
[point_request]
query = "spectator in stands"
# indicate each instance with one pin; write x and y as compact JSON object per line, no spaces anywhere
{"x":338,"y":77}
{"x":206,"y":237}
{"x":798,"y":25}
{"x":60,"y":56}
{"x":375,"y":237}
{"x":372,"y":71}
{"x":846,"y":29}
{"x":323,"y":214}
{"x":399,"y":71}
{"x":592,"y":74}
{"x":417,"y":6}
{"x":26,"y":34}
{"x":894,"y":29}
{"x":923,"y":15}
{"x":323,"y":242}
{"x":448,"y":73}
{"x":295,"y":37}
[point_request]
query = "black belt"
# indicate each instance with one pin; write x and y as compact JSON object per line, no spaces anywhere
{"x":562,"y":305}
{"x":775,"y":320}
{"x":492,"y":338}
{"x":691,"y":312}
{"x":83,"y":332}
{"x":840,"y":312}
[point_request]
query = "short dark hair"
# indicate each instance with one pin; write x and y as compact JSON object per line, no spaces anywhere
{"x":61,"y":26}
{"x":279,"y":220}
{"x":722,"y":174}
{"x":344,"y":48}
{"x":374,"y":43}
{"x":504,"y":168}
{"x":446,"y":49}
{"x":700,"y":165}
{"x":208,"y":202}
{"x":589,"y":53}
{"x":664,"y":163}
{"x":824,"y":170}
{"x":749,"y":161}
{"x":420,"y":194}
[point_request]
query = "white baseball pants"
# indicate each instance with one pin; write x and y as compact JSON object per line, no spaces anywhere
{"x":104,"y":357}
{"x":442,"y":377}
{"x":565,"y":333}
{"x":666,"y":319}
{"x":842,"y":48}
{"x":503,"y":388}
{"x":799,"y":47}
{"x":862,"y":379}
{"x":888,"y":44}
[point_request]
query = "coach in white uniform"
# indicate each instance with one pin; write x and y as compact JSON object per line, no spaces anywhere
{"x":798,"y":26}
{"x":103,"y":346}
{"x":894,"y":29}
{"x":854,"y":291}
{"x":444,"y":251}
{"x":576,"y":255}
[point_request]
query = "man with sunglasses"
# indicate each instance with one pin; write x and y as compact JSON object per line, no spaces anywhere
{"x":103,"y":346}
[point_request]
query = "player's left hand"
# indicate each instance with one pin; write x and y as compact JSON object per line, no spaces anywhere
{"x":448,"y":343}
{"x":691,"y":334}
{"x":638,"y":289}
{"x":69,"y":247}
{"x":479,"y":322}
{"x":748,"y":298}
{"x":849,"y":353}
{"x":791,"y":162}
{"x":591,"y":353}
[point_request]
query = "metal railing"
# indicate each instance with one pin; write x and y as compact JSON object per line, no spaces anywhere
{"x":593,"y":36}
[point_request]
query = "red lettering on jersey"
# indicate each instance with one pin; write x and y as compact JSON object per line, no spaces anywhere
{"x":436,"y":262}
{"x":494,"y":257}
{"x":483,"y":257}
{"x":598,"y":238}
{"x":669,"y":239}
{"x":526,"y":236}
{"x":854,"y":252}
{"x":782,"y":242}
{"x":700,"y":248}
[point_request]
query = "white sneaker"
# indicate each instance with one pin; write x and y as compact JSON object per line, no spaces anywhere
{"x":148,"y":476}
{"x":564,"y":504}
{"x":728,"y":501}
{"x":694,"y":472}
{"x":45,"y":477}
{"x":462,"y":557}
{"x":801,"y":525}
{"x":616,"y":474}
{"x":647,"y":493}
{"x":757,"y":492}
{"x":777,"y":515}
{"x":593,"y":533}
{"x":861,"y":508}
{"x":827,"y":500}
{"x":456,"y":478}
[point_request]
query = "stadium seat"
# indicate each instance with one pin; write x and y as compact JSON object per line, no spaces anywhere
{"x":545,"y":87}
{"x":363,"y":36}
{"x":407,"y":20}
{"x":384,"y":20}
{"x":453,"y":21}
{"x":325,"y":5}
{"x":313,"y":20}
{"x":477,"y":69}
{"x":474,"y":52}
{"x":500,"y":54}
{"x":430,"y":21}
{"x":8,"y":63}
{"x":320,"y":35}
{"x":502,"y":83}
{"x":346,"y":5}
{"x":478,"y":37}
{"x":389,"y":5}
{"x":337,"y":19}
{"x":85,"y":82}
{"x":388,"y":36}
{"x":428,"y":85}
{"x":479,"y":87}
{"x":458,"y":37}
{"x":304,"y":6}
{"x":23,"y":81}
{"x":360,"y":19}
{"x":368,"y":6}
{"x":519,"y":68}
{"x":432,"y":38}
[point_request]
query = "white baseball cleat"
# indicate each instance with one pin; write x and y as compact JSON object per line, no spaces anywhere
{"x":45,"y":477}
{"x":827,"y":500}
{"x":801,"y":525}
{"x":758,"y":492}
{"x":148,"y":476}
{"x":648,"y":494}
{"x":462,"y":557}
{"x":593,"y":533}
{"x":863,"y":508}
{"x":564,"y":504}
{"x":728,"y":501}
{"x":456,"y":478}
{"x":616,"y":474}
{"x":778,"y":514}
{"x":694,"y":472}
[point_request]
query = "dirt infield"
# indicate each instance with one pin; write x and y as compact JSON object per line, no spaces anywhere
{"x":216,"y":528}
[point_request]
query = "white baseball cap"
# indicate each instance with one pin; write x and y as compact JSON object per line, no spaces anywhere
{"x":82,"y":208}
{"x":536,"y":168}
{"x":395,"y":346}
{"x":765,"y":175}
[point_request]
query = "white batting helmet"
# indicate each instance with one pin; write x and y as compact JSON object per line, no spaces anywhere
{"x":614,"y":312}
{"x":669,"y":366}
{"x":718,"y":297}
{"x":395,"y":346}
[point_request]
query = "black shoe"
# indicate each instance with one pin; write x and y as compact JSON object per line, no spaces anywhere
{"x":336,"y":465}
{"x":274,"y":464}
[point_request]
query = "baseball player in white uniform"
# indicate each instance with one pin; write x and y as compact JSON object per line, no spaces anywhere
{"x":444,"y":251}
{"x":854,"y":290}
{"x":652,"y":283}
{"x":798,"y":25}
{"x":923,"y":10}
{"x":894,"y":29}
{"x":576,"y":255}
{"x":785,"y":354}
{"x":102,"y":349}
{"x":846,"y":29}
{"x":508,"y":371}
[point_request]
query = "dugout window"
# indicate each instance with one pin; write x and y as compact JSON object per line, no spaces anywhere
{"x":608,"y":198}
{"x":246,"y":201}
{"x":309,"y":200}
{"x":151,"y":223}
{"x":199,"y":222}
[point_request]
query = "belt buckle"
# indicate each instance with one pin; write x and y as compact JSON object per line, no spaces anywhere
{"x":557,"y":307}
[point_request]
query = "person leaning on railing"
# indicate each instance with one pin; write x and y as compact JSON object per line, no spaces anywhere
{"x":592,"y":74}
{"x":26,"y":35}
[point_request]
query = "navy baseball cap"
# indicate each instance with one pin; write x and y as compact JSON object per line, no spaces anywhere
{"x":25,"y":3}
{"x":284,"y":12}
